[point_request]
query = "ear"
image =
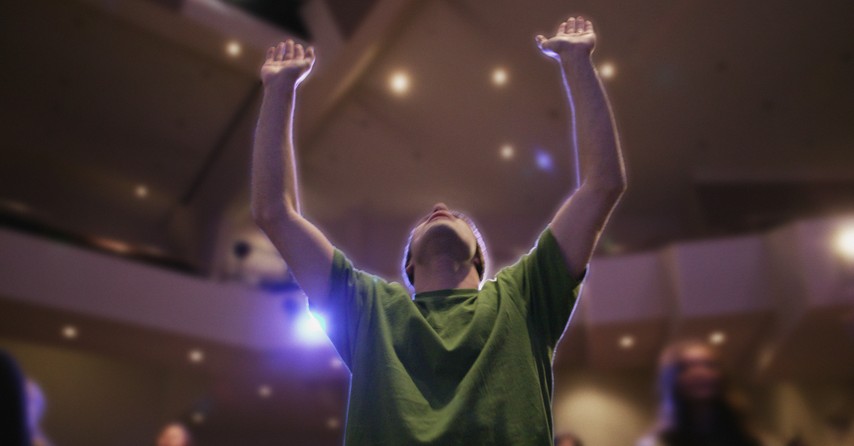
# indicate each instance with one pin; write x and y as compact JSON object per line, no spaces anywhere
{"x":410,"y":272}
{"x":478,"y":262}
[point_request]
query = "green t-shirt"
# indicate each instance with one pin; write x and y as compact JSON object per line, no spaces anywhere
{"x":452,"y":367}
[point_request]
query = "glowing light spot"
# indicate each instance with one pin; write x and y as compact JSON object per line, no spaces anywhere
{"x":196,"y":356}
{"x":69,"y":332}
{"x":336,"y":363}
{"x":507,"y":152}
{"x":544,"y":160}
{"x":607,"y":70}
{"x":198,"y":417}
{"x":333,"y":423}
{"x":265,"y":391}
{"x":399,"y":83}
{"x":627,"y":342}
{"x":717,"y":337}
{"x":310,"y":328}
{"x":141,"y":191}
{"x":499,"y":77}
{"x":845,"y":243}
{"x":233,"y":49}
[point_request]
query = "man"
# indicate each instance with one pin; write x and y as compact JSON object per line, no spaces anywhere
{"x":457,"y":363}
{"x":174,"y":434}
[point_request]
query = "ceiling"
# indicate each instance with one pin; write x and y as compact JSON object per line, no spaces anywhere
{"x":734,"y":117}
{"x":730,"y":120}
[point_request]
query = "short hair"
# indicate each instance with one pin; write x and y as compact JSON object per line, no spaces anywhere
{"x":479,"y":253}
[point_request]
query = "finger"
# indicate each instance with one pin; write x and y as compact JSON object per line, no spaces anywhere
{"x":280,"y":51}
{"x":570,"y":25}
{"x":541,"y":39}
{"x":562,"y":28}
{"x":309,"y":53}
{"x":579,"y":24}
{"x":271,"y":53}
{"x":289,"y":50}
{"x":299,"y":52}
{"x":588,"y":27}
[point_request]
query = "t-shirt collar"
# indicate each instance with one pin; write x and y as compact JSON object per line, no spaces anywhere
{"x":453,"y":292}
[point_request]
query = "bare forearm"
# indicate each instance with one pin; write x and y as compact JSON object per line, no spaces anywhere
{"x":595,"y":133}
{"x":274,"y":177}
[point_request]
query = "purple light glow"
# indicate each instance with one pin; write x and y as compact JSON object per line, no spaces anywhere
{"x":310,"y":328}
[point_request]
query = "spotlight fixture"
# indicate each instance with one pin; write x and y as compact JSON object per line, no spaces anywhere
{"x":333,"y":423}
{"x":507,"y":152}
{"x":499,"y":77}
{"x":69,"y":332}
{"x":607,"y":70}
{"x":233,"y":48}
{"x":196,"y":356}
{"x":627,"y":341}
{"x":399,"y":83}
{"x":845,"y":243}
{"x":141,"y":191}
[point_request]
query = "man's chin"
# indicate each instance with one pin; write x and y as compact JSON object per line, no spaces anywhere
{"x":441,"y":237}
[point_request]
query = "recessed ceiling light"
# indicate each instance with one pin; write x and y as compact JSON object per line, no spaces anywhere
{"x":141,"y":191}
{"x":198,"y":417}
{"x":196,"y":356}
{"x":69,"y":332}
{"x":717,"y":337}
{"x":544,"y":160}
{"x":265,"y":391}
{"x":507,"y":151}
{"x":627,"y":341}
{"x":333,"y":423}
{"x":233,"y":48}
{"x":499,"y":77}
{"x":845,"y":243}
{"x":399,"y":83}
{"x":607,"y":70}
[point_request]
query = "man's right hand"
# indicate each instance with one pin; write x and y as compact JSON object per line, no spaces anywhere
{"x":287,"y":64}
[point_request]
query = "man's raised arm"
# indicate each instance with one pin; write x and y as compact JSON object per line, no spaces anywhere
{"x":275,"y":195}
{"x":580,"y":220}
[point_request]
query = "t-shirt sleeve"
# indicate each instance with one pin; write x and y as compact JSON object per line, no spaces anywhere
{"x":544,"y":286}
{"x":353,"y":296}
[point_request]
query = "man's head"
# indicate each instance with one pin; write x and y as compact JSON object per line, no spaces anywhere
{"x":444,"y":233}
{"x":567,"y":439}
{"x":174,"y":434}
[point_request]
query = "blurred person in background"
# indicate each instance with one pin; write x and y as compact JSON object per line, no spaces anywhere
{"x":568,"y":439}
{"x":175,"y":434}
{"x":696,"y":406}
{"x":13,"y":404}
{"x":463,"y":361}
{"x":36,"y":406}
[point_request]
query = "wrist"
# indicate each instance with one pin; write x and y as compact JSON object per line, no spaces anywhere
{"x":280,"y":87}
{"x":572,"y":58}
{"x":576,"y":64}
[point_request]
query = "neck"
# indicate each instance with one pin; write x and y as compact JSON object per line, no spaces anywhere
{"x":443,"y":273}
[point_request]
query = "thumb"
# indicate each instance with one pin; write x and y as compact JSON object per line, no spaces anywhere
{"x":540,"y":40}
